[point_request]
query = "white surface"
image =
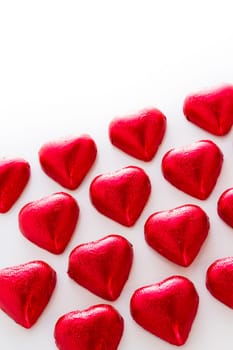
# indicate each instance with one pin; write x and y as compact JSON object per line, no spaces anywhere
{"x":68,"y":67}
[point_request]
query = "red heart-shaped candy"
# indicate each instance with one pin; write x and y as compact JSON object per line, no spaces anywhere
{"x":193,"y":169}
{"x":67,"y":161}
{"x":225,"y":207}
{"x":219,"y":280}
{"x":14,"y":175}
{"x":140,"y":134}
{"x":211,"y":110}
{"x":166,"y":309}
{"x":25,"y":291}
{"x":178,"y":234}
{"x":102,"y":266}
{"x":50,"y":222}
{"x":121,"y":195}
{"x":96,"y":328}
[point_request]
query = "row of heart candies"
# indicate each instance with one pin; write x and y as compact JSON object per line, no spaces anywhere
{"x":67,"y":162}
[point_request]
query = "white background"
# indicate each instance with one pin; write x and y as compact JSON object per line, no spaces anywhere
{"x":69,"y":67}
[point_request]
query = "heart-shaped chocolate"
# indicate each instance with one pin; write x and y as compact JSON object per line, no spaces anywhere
{"x":177,"y":234}
{"x":211,"y":110}
{"x":102,"y":266}
{"x":166,"y":309}
{"x":219,"y":280}
{"x":193,"y":169}
{"x":96,"y":328}
{"x":25,"y":290}
{"x":14,"y":176}
{"x":67,"y":161}
{"x":121,"y":195}
{"x":50,"y":222}
{"x":225,"y":207}
{"x":139,"y":135}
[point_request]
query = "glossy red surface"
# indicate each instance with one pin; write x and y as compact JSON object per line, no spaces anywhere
{"x":219,"y":280}
{"x":102,"y":266}
{"x":50,"y":222}
{"x":140,"y":134}
{"x":99,"y":327}
{"x":67,"y":161}
{"x":177,"y":234}
{"x":121,"y":195}
{"x":14,"y":176}
{"x":194,"y":169}
{"x":25,"y":291}
{"x":166,"y":309}
{"x":211,"y":110}
{"x":225,"y":206}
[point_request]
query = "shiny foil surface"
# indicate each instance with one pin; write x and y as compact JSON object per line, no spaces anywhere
{"x":50,"y":222}
{"x":121,"y":195}
{"x":178,"y":234}
{"x":102,"y":266}
{"x":219,"y":280}
{"x":25,"y":291}
{"x":67,"y":161}
{"x":166,"y":309}
{"x":99,"y":327}
{"x":194,"y":169}
{"x":225,"y":207}
{"x":211,"y":110}
{"x":14,"y":176}
{"x":139,"y":135}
